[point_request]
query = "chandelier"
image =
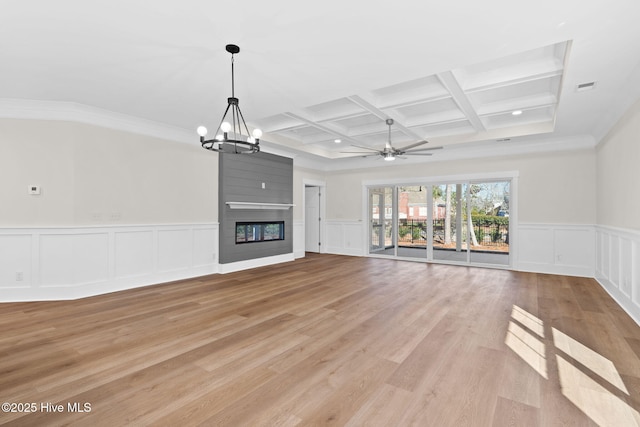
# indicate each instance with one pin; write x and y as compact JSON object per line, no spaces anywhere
{"x":229,"y":137}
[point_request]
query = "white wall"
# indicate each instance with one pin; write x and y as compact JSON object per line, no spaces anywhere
{"x":116,"y":210}
{"x":618,"y":172}
{"x":91,"y":175}
{"x":554,"y":188}
{"x":618,"y":212}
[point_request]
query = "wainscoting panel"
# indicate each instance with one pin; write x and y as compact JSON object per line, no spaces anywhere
{"x":134,"y":253}
{"x":73,"y":259}
{"x":346,"y":238}
{"x":15,"y":260}
{"x":175,"y":250}
{"x":556,"y":249}
{"x":69,"y":263}
{"x":618,"y":266}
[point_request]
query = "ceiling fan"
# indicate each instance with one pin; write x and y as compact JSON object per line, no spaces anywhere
{"x":390,"y":153}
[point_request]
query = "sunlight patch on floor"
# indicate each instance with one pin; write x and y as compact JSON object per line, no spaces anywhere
{"x":528,"y":347}
{"x":597,"y":402}
{"x":600,"y":365}
{"x":581,"y":382}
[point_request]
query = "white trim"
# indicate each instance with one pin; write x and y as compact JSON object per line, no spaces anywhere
{"x":80,"y":113}
{"x":511,"y":176}
{"x":254,"y":263}
{"x":323,"y":211}
{"x":319,"y":160}
{"x":259,"y":205}
{"x":443,"y":179}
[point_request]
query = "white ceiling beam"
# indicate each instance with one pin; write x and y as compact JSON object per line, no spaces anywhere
{"x":449,"y":81}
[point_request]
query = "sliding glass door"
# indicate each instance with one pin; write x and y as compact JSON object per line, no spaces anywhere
{"x":381,"y":207}
{"x":489,"y":222}
{"x":412,"y":221}
{"x":464,"y":222}
{"x":449,"y":222}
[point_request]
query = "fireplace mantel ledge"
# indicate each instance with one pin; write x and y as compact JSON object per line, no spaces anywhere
{"x":258,"y":205}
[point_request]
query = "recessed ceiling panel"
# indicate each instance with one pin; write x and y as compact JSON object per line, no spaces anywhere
{"x":378,"y":140}
{"x":444,"y":109}
{"x":471,"y":100}
{"x":338,"y":108}
{"x":277,"y":123}
{"x":308,"y":134}
{"x":531,"y":88}
{"x":458,"y":127}
{"x":424,"y":88}
{"x":537,"y":115}
{"x":544,"y":61}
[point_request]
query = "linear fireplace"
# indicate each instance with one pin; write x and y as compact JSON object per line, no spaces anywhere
{"x":252,"y":232}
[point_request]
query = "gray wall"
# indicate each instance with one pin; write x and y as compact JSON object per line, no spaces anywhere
{"x":240,"y":180}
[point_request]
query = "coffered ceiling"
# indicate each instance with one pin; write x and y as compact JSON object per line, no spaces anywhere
{"x":451,"y":73}
{"x":507,"y":97}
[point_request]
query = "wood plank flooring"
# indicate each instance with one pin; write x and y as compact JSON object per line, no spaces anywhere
{"x":327,"y":340}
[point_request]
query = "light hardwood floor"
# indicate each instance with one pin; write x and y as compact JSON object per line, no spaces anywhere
{"x":328,"y":340}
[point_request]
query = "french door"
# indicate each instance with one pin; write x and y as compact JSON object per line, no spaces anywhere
{"x":458,"y":222}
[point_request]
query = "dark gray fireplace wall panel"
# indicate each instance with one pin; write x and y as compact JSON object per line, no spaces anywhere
{"x":255,"y":178}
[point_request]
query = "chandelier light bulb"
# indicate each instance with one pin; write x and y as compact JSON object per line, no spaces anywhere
{"x":220,"y":137}
{"x":202,"y":131}
{"x":225,"y":127}
{"x":257,"y":133}
{"x":251,"y":140}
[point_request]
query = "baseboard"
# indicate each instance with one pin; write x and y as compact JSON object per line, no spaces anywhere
{"x":254,"y":263}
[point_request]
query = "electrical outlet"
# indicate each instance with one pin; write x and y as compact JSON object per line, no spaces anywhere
{"x":19,"y":276}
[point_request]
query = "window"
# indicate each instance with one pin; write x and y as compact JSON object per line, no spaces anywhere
{"x":251,"y":232}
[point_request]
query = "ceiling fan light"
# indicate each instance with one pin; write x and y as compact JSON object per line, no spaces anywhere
{"x":389,"y":157}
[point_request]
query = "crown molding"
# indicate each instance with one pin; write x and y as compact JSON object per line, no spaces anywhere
{"x":80,"y":113}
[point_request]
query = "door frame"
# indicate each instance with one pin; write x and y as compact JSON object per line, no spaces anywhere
{"x":511,"y":176}
{"x":322,"y":223}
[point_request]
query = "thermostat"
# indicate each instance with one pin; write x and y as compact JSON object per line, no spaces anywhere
{"x":34,"y":189}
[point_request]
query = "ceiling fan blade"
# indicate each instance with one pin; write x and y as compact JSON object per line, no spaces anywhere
{"x":360,"y":152}
{"x":413,"y":145}
{"x":413,"y":153}
{"x":424,"y":149}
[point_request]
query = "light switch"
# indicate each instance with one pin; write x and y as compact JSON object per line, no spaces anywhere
{"x":263,"y":186}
